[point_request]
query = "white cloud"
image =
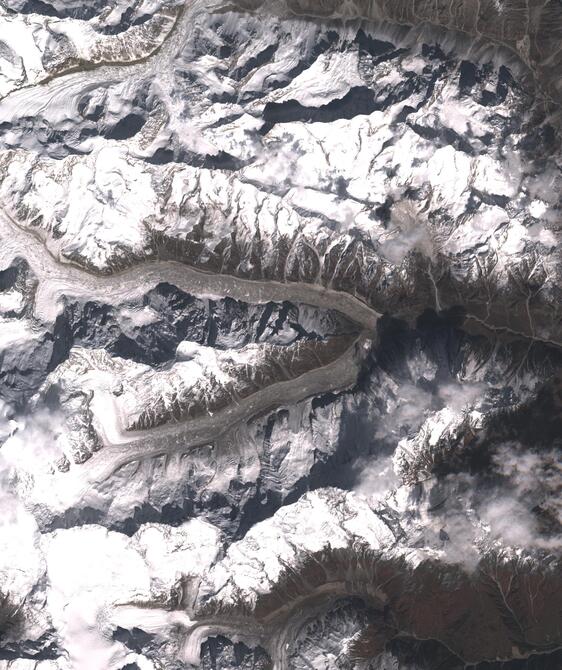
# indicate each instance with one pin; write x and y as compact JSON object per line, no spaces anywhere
{"x":376,"y":477}
{"x":509,"y":521}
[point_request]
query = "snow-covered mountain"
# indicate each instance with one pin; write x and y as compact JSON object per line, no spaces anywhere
{"x":280,"y":335}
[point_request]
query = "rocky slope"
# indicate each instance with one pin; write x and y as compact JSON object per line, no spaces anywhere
{"x":280,"y":330}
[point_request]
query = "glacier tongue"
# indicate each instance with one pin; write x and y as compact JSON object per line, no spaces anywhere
{"x":280,"y":330}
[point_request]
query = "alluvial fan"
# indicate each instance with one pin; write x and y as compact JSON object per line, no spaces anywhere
{"x":280,"y":335}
